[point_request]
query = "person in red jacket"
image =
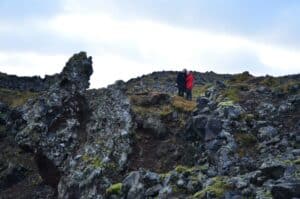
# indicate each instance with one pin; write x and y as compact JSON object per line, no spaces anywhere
{"x":189,"y":83}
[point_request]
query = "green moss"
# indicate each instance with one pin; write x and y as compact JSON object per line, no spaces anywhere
{"x":94,"y":161}
{"x":232,"y":94}
{"x":204,"y":167}
{"x":226,"y":103}
{"x":200,"y":90}
{"x":218,"y":188}
{"x":97,"y":163}
{"x":297,"y":161}
{"x":184,"y":169}
{"x":288,"y":162}
{"x":177,"y":189}
{"x":86,"y":158}
{"x":164,"y":175}
{"x":248,"y":117}
{"x":114,"y":189}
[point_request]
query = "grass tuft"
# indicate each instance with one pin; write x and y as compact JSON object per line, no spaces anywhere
{"x":183,"y":105}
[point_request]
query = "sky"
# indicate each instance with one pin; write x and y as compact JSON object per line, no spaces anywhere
{"x":129,"y":38}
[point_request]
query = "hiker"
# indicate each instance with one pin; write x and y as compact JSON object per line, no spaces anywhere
{"x":189,"y":83}
{"x":181,"y":77}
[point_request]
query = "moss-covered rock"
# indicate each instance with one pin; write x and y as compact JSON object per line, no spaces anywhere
{"x":218,"y":187}
{"x":232,"y":94}
{"x":184,"y":169}
{"x":297,"y":161}
{"x":114,"y":189}
{"x":226,"y":103}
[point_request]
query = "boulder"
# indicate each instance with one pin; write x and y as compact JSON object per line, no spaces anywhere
{"x":132,"y":187}
{"x":213,"y":128}
{"x":198,"y":124}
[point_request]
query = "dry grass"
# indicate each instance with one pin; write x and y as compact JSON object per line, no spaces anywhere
{"x":183,"y":105}
{"x":247,"y":143}
{"x":270,"y":81}
{"x":15,"y":98}
{"x":160,"y":111}
{"x":240,"y":78}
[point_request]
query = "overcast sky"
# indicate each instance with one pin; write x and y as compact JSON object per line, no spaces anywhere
{"x":128,"y":38}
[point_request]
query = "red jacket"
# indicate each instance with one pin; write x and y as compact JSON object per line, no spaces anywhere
{"x":189,"y":82}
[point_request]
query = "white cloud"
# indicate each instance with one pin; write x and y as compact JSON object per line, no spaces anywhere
{"x":31,"y":63}
{"x":157,"y":46}
{"x":111,"y":67}
{"x":279,"y":60}
{"x":165,"y":45}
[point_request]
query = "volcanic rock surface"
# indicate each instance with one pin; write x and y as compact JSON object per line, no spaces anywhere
{"x":238,"y":138}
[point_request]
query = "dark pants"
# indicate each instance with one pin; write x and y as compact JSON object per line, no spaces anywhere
{"x":189,"y":94}
{"x":181,"y":92}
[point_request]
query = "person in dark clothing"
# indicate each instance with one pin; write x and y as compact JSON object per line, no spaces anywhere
{"x":181,"y":78}
{"x":189,"y":84}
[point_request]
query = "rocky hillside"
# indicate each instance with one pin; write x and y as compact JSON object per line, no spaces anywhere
{"x":238,"y":138}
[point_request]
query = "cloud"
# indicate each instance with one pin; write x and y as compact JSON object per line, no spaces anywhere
{"x":125,"y":42}
{"x":269,"y":21}
{"x":167,"y":45}
{"x":31,"y":63}
{"x":21,"y":11}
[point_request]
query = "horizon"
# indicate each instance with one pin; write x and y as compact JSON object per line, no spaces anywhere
{"x":227,"y":38}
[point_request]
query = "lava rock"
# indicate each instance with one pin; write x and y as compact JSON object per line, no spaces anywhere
{"x":132,"y":186}
{"x":272,"y":170}
{"x":268,"y":132}
{"x":202,"y":102}
{"x":213,"y":128}
{"x":286,"y":190}
{"x":153,"y":191}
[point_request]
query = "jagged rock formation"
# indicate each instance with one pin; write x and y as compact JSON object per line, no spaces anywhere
{"x":36,"y":83}
{"x":238,"y":138}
